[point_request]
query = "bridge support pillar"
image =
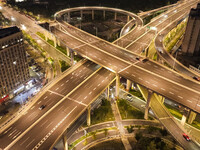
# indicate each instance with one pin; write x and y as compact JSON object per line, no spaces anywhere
{"x":81,"y":12}
{"x":68,"y":51}
{"x":88,"y":115}
{"x":72,"y":57}
{"x":117,"y":86}
{"x":148,"y":104}
{"x":128,"y":18}
{"x":92,"y":14}
{"x":68,"y":17}
{"x":65,"y":142}
{"x":183,"y":119}
{"x":108,"y":93}
{"x":58,"y":42}
{"x":192,"y":116}
{"x":54,"y":41}
{"x":104,"y":14}
{"x":115,"y":16}
{"x":128,"y":85}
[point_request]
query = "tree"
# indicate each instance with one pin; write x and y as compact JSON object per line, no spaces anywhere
{"x":152,"y":146}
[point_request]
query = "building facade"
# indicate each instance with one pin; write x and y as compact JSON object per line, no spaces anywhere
{"x":14,"y":69}
{"x":191,"y":41}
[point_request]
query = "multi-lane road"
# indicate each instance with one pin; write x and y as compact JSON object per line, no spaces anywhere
{"x":69,"y":105}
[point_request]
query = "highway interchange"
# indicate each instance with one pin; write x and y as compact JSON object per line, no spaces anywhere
{"x":69,"y":105}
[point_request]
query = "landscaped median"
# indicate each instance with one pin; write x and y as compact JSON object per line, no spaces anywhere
{"x":127,"y":111}
{"x":91,"y":134}
{"x":103,"y":113}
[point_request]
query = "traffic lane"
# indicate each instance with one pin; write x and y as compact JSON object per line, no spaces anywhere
{"x":165,"y":72}
{"x":140,"y":122}
{"x":142,"y":43}
{"x":116,"y":51}
{"x":103,"y":58}
{"x":67,"y":110}
{"x":80,"y":34}
{"x":131,"y":36}
{"x":75,"y":78}
{"x":88,"y":91}
{"x":187,"y":96}
{"x":75,"y":136}
{"x":158,"y":108}
{"x":68,"y":39}
{"x":176,"y":131}
{"x":33,"y":114}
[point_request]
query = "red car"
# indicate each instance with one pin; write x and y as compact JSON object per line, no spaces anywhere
{"x":186,"y":137}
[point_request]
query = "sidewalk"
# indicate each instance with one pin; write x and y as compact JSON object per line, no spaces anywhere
{"x":120,"y":126}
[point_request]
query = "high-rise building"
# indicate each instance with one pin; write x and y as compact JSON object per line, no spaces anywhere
{"x":191,"y":41}
{"x":13,"y":62}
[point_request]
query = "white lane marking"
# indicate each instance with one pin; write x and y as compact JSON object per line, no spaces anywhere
{"x":12,"y":132}
{"x":72,"y":77}
{"x":57,"y":89}
{"x":85,"y":97}
{"x":98,"y":84}
{"x":90,"y":93}
{"x":155,"y":85}
{"x":39,"y":102}
{"x":162,"y":89}
{"x":140,"y":78}
{"x":30,"y":143}
{"x":51,"y":93}
{"x":133,"y":75}
{"x":24,"y":141}
{"x":102,"y":81}
{"x":32,"y":107}
{"x":147,"y":82}
{"x":17,"y":135}
{"x":7,"y":130}
{"x":45,"y":97}
{"x":189,"y":101}
{"x":43,"y":123}
{"x":198,"y":105}
{"x":180,"y":97}
{"x":66,"y":81}
{"x":94,"y":88}
{"x":49,"y":125}
{"x":171,"y":93}
{"x":62,"y":84}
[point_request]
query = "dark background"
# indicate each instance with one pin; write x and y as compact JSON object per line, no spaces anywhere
{"x":55,"y":5}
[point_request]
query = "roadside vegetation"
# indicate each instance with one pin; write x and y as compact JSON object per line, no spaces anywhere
{"x":103,"y":113}
{"x":136,"y":93}
{"x":64,"y":66}
{"x":127,"y":111}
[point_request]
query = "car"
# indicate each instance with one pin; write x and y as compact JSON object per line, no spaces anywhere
{"x":42,"y":107}
{"x":186,"y":137}
{"x":196,"y":78}
{"x":137,"y":58}
{"x":145,"y":60}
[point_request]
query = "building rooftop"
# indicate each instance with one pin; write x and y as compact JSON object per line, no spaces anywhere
{"x":8,"y":31}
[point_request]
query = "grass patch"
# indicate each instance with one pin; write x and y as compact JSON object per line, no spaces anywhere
{"x":63,"y":50}
{"x":41,"y":35}
{"x":175,"y":112}
{"x":136,"y":93}
{"x":127,"y":111}
{"x":64,"y":66}
{"x":109,"y":145}
{"x":196,"y":124}
{"x":90,"y":134}
{"x":103,"y":113}
{"x":51,"y":42}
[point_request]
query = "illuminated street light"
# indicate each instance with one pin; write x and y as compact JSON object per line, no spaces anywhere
{"x":12,"y":18}
{"x":23,"y":27}
{"x":1,"y":8}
